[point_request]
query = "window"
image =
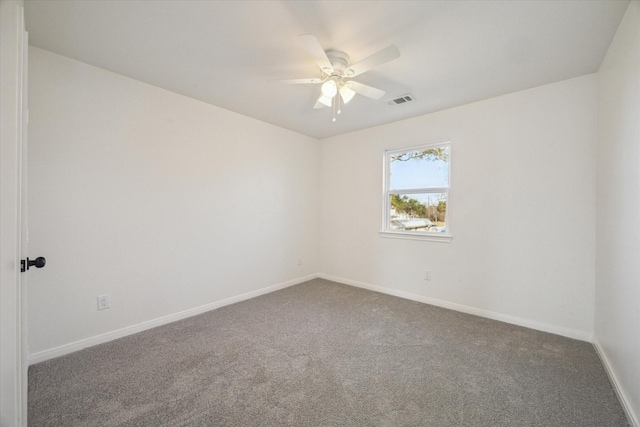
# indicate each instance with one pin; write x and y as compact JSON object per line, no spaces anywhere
{"x":416,"y":192}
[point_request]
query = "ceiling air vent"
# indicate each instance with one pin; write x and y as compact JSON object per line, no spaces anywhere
{"x":403,"y":99}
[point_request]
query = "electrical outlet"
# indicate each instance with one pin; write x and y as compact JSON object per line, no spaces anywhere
{"x":427,"y":275}
{"x":104,"y":301}
{"x":299,"y":260}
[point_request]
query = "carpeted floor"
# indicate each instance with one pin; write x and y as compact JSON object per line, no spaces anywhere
{"x":326,"y":354}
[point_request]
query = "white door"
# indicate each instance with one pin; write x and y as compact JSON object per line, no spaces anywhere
{"x":13,"y":333}
{"x":24,"y":226}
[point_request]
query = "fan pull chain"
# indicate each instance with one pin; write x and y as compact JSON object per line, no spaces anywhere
{"x":333,"y":104}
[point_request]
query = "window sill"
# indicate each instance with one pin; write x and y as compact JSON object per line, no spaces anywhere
{"x":432,"y":237}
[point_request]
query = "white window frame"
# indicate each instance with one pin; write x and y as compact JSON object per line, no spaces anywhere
{"x":386,"y":230}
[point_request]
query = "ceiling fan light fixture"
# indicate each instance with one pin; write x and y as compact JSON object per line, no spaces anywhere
{"x":329,"y":88}
{"x":346,"y":93}
{"x":325,"y":100}
{"x":335,"y":67}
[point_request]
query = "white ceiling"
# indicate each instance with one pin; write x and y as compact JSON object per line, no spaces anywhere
{"x":226,"y":52}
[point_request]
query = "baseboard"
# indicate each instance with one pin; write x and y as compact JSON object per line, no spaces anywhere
{"x":129,"y":330}
{"x":41,"y":356}
{"x":622,"y":397}
{"x":540,"y":326}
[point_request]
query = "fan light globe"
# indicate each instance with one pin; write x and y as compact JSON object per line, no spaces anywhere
{"x":325,"y":101}
{"x":329,"y":88}
{"x":346,"y":93}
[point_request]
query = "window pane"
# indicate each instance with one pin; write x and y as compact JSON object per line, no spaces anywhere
{"x":418,"y":212}
{"x":420,"y":169}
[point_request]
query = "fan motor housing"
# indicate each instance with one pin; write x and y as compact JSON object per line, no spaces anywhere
{"x":339,"y":60}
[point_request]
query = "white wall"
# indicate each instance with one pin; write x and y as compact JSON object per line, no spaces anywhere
{"x":617,"y":312}
{"x":164,"y":202}
{"x":522,"y":209}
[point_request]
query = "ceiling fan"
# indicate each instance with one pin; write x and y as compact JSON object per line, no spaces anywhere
{"x":337,"y":73}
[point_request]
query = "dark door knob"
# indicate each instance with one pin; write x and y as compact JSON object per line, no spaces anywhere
{"x":28,"y":263}
{"x":38,"y":262}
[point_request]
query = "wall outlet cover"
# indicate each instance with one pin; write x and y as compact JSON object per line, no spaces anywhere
{"x":104,"y":302}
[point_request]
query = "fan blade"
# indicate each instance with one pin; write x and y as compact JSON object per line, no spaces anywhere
{"x":365,"y":90}
{"x":383,"y":56}
{"x":315,"y":49}
{"x":311,"y":80}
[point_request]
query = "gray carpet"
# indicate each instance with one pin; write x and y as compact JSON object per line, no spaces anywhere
{"x":326,"y":354}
